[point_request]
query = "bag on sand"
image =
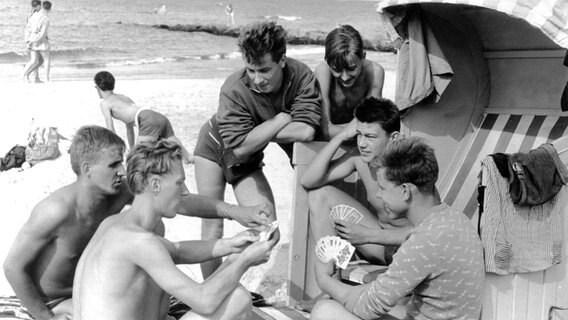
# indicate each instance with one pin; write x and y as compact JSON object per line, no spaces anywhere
{"x":14,"y":158}
{"x":43,"y":144}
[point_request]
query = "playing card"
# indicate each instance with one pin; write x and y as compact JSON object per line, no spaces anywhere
{"x":267,"y":233}
{"x":352,"y":215}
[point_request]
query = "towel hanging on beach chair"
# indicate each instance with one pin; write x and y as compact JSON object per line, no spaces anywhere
{"x":518,"y":239}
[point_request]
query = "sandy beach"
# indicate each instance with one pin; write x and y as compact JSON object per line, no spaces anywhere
{"x":70,"y":104}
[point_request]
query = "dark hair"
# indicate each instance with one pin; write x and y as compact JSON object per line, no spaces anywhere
{"x":105,"y":81}
{"x":46,"y":5}
{"x":36,"y":3}
{"x":150,"y":158}
{"x":259,"y":38}
{"x":410,"y":160}
{"x":380,"y":110}
{"x":341,"y":44}
{"x":88,"y":143}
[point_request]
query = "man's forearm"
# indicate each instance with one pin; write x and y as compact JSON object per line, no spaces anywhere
{"x":390,"y":237}
{"x":195,"y":205}
{"x":261,"y":135}
{"x":197,"y":251}
{"x":29,"y":296}
{"x":319,"y":166}
{"x":294,"y":132}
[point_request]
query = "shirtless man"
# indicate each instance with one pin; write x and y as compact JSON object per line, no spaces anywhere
{"x":345,"y":78}
{"x":377,"y":235}
{"x":41,"y":263}
{"x":128,"y":270}
{"x":151,"y":125}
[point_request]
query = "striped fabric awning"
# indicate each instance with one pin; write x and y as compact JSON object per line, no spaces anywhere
{"x":550,"y":16}
{"x":507,"y":133}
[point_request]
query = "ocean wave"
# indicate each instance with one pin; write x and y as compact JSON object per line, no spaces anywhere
{"x":63,"y":54}
{"x":13,"y":57}
{"x":157,"y":60}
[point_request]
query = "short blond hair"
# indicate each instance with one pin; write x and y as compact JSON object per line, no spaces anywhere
{"x":149,"y":158}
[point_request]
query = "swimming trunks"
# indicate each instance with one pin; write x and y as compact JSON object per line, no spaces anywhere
{"x":210,"y":146}
{"x":153,"y":124}
{"x":54,"y":302}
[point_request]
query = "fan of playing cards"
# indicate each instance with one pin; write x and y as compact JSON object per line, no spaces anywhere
{"x":345,"y":212}
{"x":332,"y":247}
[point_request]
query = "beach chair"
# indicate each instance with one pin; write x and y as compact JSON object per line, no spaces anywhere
{"x":521,"y":296}
{"x":525,"y":296}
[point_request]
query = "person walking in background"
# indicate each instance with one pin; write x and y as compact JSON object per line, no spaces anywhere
{"x":345,"y":78}
{"x":38,"y":41}
{"x":36,"y":7}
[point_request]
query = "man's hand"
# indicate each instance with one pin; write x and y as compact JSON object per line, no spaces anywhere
{"x":350,"y":131}
{"x":355,"y":233}
{"x":283,"y":117}
{"x":251,"y":217}
{"x":258,"y":252}
{"x":241,"y":241}
{"x":324,"y":269}
{"x":62,"y":316}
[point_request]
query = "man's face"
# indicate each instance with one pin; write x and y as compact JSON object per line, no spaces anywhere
{"x":172,"y":189}
{"x":347,"y":77}
{"x":107,"y":172}
{"x":392,"y":195}
{"x":267,"y":76}
{"x":372,"y":139}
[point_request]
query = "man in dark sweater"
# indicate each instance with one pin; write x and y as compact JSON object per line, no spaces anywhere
{"x":273,"y":98}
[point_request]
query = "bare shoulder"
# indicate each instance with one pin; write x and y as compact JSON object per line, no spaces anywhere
{"x":322,"y":69}
{"x":53,"y":210}
{"x":374,"y":70}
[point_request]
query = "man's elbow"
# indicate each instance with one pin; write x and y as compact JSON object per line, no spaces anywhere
{"x":306,"y":134}
{"x":10,"y":270}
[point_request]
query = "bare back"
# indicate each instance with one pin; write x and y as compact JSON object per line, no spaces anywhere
{"x":121,"y":107}
{"x":117,"y":287}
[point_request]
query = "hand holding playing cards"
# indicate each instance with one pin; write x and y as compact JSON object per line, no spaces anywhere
{"x":332,"y":248}
{"x":355,"y":233}
{"x":258,"y":252}
{"x":327,"y":268}
{"x":251,"y":217}
{"x":240,"y":241}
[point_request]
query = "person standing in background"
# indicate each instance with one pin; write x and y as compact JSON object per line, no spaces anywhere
{"x":230,"y":15}
{"x":36,"y":7}
{"x":39,"y":41}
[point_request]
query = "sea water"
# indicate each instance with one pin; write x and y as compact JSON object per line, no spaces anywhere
{"x":88,"y":36}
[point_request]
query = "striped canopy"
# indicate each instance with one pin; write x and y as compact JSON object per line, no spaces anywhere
{"x":550,"y":16}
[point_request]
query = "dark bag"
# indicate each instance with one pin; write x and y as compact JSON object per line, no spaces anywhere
{"x":534,"y":177}
{"x":14,"y":158}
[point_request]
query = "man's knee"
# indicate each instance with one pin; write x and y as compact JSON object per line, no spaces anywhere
{"x":324,"y":309}
{"x":241,"y":301}
{"x":320,"y":195}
